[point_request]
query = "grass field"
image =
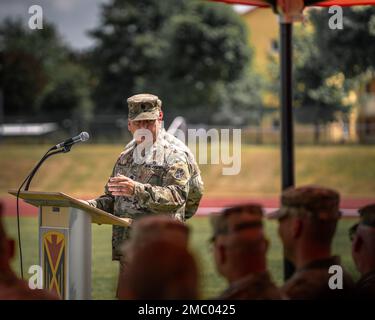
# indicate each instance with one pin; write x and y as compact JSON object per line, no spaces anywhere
{"x":84,"y":171}
{"x":104,"y":271}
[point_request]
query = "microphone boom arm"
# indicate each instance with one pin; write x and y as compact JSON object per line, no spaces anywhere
{"x":33,"y":172}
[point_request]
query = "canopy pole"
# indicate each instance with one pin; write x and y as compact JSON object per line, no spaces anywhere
{"x":287,"y":143}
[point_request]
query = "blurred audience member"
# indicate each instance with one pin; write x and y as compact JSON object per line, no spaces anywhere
{"x":11,"y":287}
{"x":147,"y":230}
{"x":162,"y":270}
{"x":363,"y":251}
{"x":307,"y":223}
{"x":240,"y":250}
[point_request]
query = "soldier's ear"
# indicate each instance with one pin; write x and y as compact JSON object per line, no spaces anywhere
{"x":10,"y":248}
{"x":222,"y":255}
{"x":266,"y":244}
{"x":161,"y":115}
{"x":297,"y":228}
{"x":357,"y":243}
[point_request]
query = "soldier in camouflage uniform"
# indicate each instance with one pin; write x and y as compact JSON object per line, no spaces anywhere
{"x":240,"y":250}
{"x":307,"y":223}
{"x":363,"y":251}
{"x":151,"y":176}
{"x":196,"y":186}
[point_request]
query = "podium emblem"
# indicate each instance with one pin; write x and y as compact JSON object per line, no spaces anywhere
{"x":54,"y":262}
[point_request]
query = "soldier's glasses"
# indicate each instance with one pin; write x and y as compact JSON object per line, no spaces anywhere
{"x":352,"y":231}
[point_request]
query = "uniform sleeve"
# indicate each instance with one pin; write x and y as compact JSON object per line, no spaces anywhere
{"x":106,"y":201}
{"x":168,"y":198}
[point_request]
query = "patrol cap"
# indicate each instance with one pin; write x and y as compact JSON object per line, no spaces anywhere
{"x":248,"y":216}
{"x":143,"y":106}
{"x":315,"y":201}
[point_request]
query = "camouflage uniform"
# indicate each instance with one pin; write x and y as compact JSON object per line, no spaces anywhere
{"x":252,"y":287}
{"x":161,"y":178}
{"x":196,"y":186}
{"x":365,"y":287}
{"x":322,"y":205}
{"x":311,"y":282}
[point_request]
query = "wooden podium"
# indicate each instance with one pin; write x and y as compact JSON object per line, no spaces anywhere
{"x":65,"y":241}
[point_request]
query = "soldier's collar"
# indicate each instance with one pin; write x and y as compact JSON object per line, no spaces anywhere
{"x":321,"y":263}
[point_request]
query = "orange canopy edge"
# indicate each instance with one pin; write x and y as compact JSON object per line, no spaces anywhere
{"x":262,"y":3}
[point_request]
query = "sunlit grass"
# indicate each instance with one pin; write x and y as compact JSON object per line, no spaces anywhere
{"x":85,"y":170}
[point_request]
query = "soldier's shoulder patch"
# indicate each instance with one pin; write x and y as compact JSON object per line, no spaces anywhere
{"x":179,"y":173}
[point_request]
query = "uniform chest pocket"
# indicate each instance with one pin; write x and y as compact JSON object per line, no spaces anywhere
{"x":124,"y":170}
{"x":156,"y":175}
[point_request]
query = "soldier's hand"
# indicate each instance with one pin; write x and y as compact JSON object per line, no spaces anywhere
{"x":121,"y":186}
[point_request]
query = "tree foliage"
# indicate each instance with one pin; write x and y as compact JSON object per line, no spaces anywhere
{"x":39,"y":75}
{"x":350,"y":50}
{"x":187,"y":52}
{"x":319,"y":93}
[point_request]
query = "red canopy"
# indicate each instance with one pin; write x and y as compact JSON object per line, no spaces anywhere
{"x":263,"y":3}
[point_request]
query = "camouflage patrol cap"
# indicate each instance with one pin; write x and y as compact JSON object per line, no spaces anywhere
{"x":367,"y":215}
{"x":143,"y":106}
{"x":247,"y":216}
{"x":315,"y":201}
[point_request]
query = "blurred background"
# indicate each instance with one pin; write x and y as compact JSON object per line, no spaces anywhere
{"x":216,"y":66}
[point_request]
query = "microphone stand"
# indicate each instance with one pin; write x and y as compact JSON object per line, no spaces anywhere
{"x":28,"y":181}
{"x":45,"y":157}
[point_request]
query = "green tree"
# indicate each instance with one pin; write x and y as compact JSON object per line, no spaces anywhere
{"x":319,"y":93}
{"x":184,"y":51}
{"x":68,"y":95}
{"x":39,"y":75}
{"x":23,"y":67}
{"x":352,"y":49}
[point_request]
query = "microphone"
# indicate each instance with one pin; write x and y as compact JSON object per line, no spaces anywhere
{"x":83,"y":136}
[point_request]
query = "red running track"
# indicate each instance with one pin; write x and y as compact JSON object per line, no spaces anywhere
{"x":208,"y":205}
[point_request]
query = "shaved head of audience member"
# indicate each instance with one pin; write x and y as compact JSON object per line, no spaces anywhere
{"x":145,"y":231}
{"x":161,"y":270}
